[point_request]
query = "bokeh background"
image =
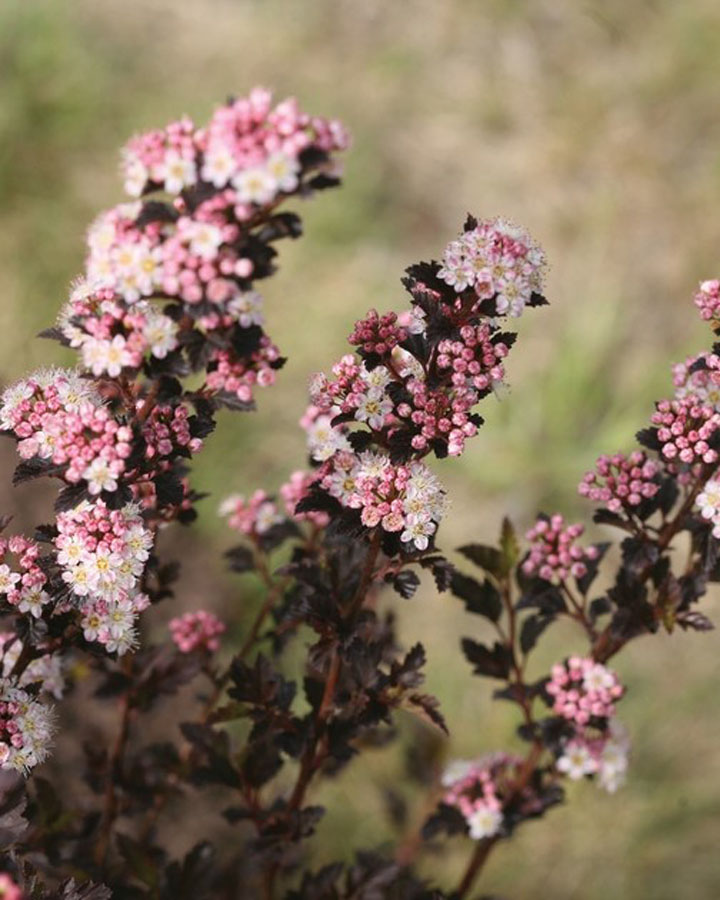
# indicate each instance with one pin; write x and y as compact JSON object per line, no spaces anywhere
{"x":592,"y":122}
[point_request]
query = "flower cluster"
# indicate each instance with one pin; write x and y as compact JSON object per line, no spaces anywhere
{"x":604,"y":755}
{"x":495,"y":259}
{"x":46,"y":671}
{"x":699,"y":378}
{"x":407,"y":499}
{"x":236,"y":375}
{"x":26,"y":728}
{"x":102,"y":553}
{"x":554,"y":552}
{"x":583,"y":690}
{"x":620,"y":481}
{"x":249,"y":148}
{"x":23,"y":589}
{"x":707,"y":300}
{"x":167,"y":433}
{"x":252,"y":517}
{"x":687,"y":430}
{"x":376,"y":334}
{"x":59,"y":416}
{"x":478,"y":788}
{"x":112,"y":335}
{"x":196,"y":630}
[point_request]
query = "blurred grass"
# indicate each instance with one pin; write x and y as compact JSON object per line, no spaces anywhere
{"x":592,"y":123}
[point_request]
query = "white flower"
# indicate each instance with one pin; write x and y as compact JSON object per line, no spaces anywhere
{"x":576,"y":761}
{"x":247,"y":307}
{"x":179,"y":172}
{"x":8,"y":579}
{"x":456,"y":771}
{"x":284,"y":171}
{"x":373,"y":408}
{"x":708,"y":500}
{"x":598,"y":678}
{"x":255,"y":185}
{"x":266,"y":516}
{"x":418,"y":532}
{"x":204,"y":238}
{"x":219,"y":166}
{"x":99,"y":477}
{"x":78,"y":579}
{"x":136,"y":174}
{"x":32,"y":601}
{"x":160,"y":332}
{"x":484,"y":822}
{"x":72,"y":550}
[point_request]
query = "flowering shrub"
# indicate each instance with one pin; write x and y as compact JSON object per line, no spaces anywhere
{"x":169,"y":328}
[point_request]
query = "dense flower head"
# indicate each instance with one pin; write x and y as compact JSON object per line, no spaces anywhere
{"x":707,"y":300}
{"x":495,"y":259}
{"x":620,"y":481}
{"x":196,"y":630}
{"x":596,"y":753}
{"x":699,"y":378}
{"x":376,"y":334}
{"x":555,"y":553}
{"x":59,"y":416}
{"x":236,"y":375}
{"x":26,"y":728}
{"x":478,"y":789}
{"x":407,"y":499}
{"x":254,"y":516}
{"x":254,"y":150}
{"x":47,"y":671}
{"x":583,"y":691}
{"x":22,"y":579}
{"x":687,"y":430}
{"x":167,"y":432}
{"x":112,"y":335}
{"x":102,"y":554}
{"x":295,"y":489}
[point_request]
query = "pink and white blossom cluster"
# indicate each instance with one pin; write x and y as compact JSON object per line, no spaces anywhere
{"x":707,"y":300}
{"x":231,"y":374}
{"x":26,"y":728}
{"x":254,"y":516}
{"x":687,"y":430}
{"x":583,"y":690}
{"x":477,"y":788}
{"x":699,"y":378}
{"x":555,"y":553}
{"x":620,"y":481}
{"x":59,"y":416}
{"x":47,"y":672}
{"x":112,"y":335}
{"x":102,"y":553}
{"x":22,"y":580}
{"x":495,"y":259}
{"x":407,"y":499}
{"x":249,"y":148}
{"x":198,"y":630}
{"x":600,"y":754}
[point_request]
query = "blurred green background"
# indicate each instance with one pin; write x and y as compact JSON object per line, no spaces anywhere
{"x":595,"y":125}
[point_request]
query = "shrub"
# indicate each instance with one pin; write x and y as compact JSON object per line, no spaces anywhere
{"x":169,"y":303}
